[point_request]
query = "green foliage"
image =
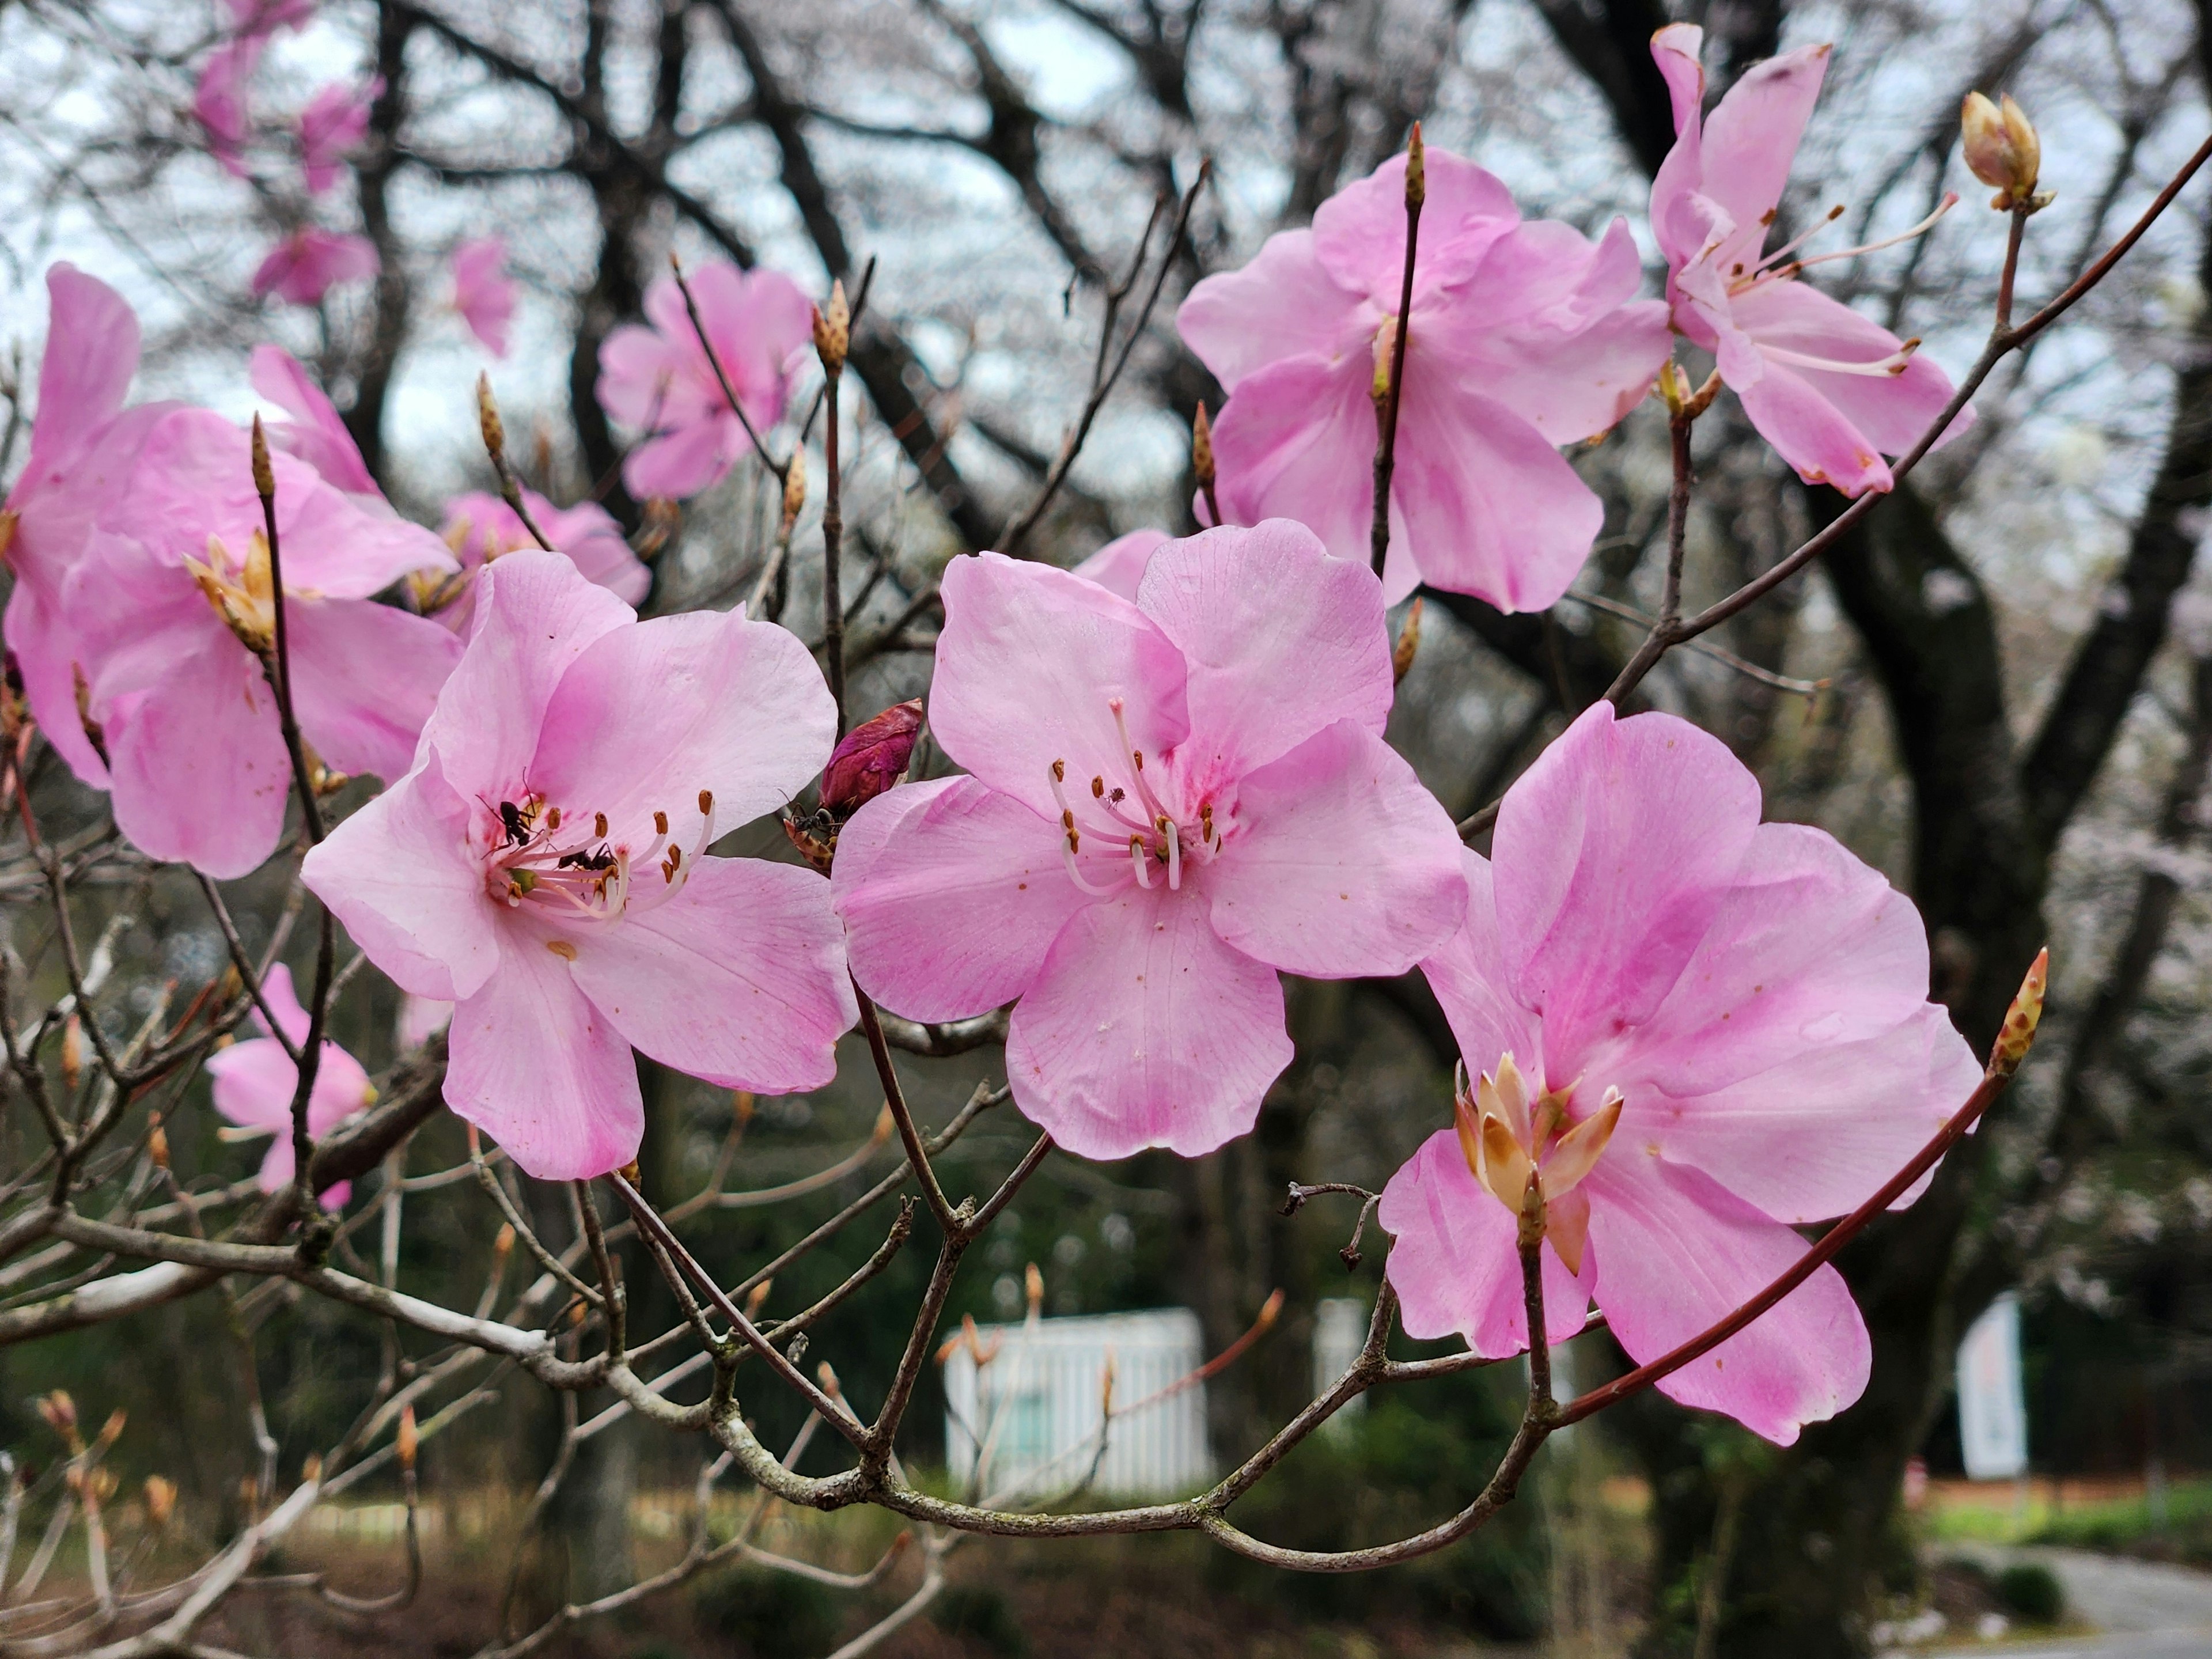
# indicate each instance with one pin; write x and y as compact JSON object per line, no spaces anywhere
{"x":2031,"y":1593}
{"x":979,"y":1612}
{"x":768,"y":1614}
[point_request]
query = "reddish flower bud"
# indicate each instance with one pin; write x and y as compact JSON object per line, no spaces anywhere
{"x":871,"y":759}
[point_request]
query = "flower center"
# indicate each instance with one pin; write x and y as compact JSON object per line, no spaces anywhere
{"x":243,"y":595}
{"x":573,"y":868}
{"x":1521,"y":1150}
{"x":1128,"y":810}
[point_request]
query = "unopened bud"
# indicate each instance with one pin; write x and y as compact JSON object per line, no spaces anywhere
{"x":2001,"y":148}
{"x":160,"y":1499}
{"x":1270,"y":1311}
{"x":157,"y":1146}
{"x":310,"y":1467}
{"x":872,"y":757}
{"x":7,"y":531}
{"x":488,"y":421}
{"x":1033,"y":1283}
{"x":758,"y":1299}
{"x":111,"y":1430}
{"x":663,"y":519}
{"x":407,"y":1440}
{"x":1409,"y":641}
{"x":1106,"y":1385}
{"x":1201,"y":448}
{"x":59,"y":1411}
{"x":828,"y":1376}
{"x":72,"y":1051}
{"x":833,"y":329}
{"x":2018,"y":1033}
{"x":503,"y":1246}
{"x":1416,"y":169}
{"x":264,"y":476}
{"x":795,"y":487}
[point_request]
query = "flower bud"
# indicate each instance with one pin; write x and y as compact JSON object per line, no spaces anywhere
{"x":488,"y":421}
{"x":407,"y":1440}
{"x":1201,"y":448}
{"x":160,"y":1499}
{"x":502,"y":1246}
{"x":111,"y":1431}
{"x":756,"y":1298}
{"x":663,"y":519}
{"x":2001,"y":148}
{"x":1033,"y":1285}
{"x":833,"y":329}
{"x":59,"y":1411}
{"x":1409,"y":641}
{"x":794,"y":488}
{"x":7,"y":531}
{"x":871,"y":759}
{"x":72,"y":1052}
{"x":2018,"y":1032}
{"x":1416,"y":169}
{"x":264,"y":476}
{"x":311,"y":1467}
{"x":157,"y":1146}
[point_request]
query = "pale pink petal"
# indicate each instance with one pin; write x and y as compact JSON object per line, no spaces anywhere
{"x":1359,"y":233}
{"x":253,"y":1084}
{"x":1467,"y":973}
{"x":401,"y":877}
{"x":482,"y":292}
{"x":1338,"y":864}
{"x":198,"y":767}
{"x":1028,"y":667}
{"x":1612,"y":854}
{"x":1546,"y":327}
{"x":332,"y":125}
{"x":1454,"y":1263}
{"x":276,"y":990}
{"x":1489,"y":507}
{"x":306,"y":265}
{"x":1809,"y":948}
{"x":1676,"y":1253}
{"x":1891,"y":411}
{"x":739,"y":979}
{"x":1813,"y":1136}
{"x":1119,"y":566}
{"x":219,"y":100}
{"x":1751,"y":139}
{"x":542,"y":1071}
{"x":41,"y":639}
{"x":1811,"y":434}
{"x":1281,"y":641}
{"x":92,"y":352}
{"x":686,"y":461}
{"x":348,"y":547}
{"x":649,"y":716}
{"x":316,"y":432}
{"x":1282,"y":304}
{"x":365,"y":677}
{"x":535,"y":616}
{"x":638,"y":375}
{"x":1145,"y":1030}
{"x":1297,"y":441}
{"x":265,"y":17}
{"x":952,"y":894}
{"x":420,"y":1019}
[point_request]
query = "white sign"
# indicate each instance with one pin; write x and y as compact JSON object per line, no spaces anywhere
{"x":1992,"y":1409}
{"x":1032,"y":1416}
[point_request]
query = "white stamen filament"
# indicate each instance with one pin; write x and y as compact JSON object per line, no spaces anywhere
{"x":1768,"y":271}
{"x":1175,"y":853}
{"x":1138,"y":858}
{"x":1153,"y":807}
{"x":1893,"y":364}
{"x":1068,"y":858}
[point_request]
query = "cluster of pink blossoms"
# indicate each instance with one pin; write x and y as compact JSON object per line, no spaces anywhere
{"x":1692,"y":1031}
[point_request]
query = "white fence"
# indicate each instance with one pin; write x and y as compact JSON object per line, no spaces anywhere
{"x":1035,"y":1410}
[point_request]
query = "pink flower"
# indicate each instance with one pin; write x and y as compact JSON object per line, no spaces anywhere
{"x":1704,"y":1031}
{"x":316,"y":432}
{"x":482,"y":292}
{"x":1522,"y":337}
{"x":219,"y":101}
{"x":1832,"y":391}
{"x":1119,"y":567}
{"x":172,"y":609}
{"x":330,"y":126}
{"x":83,"y":446}
{"x":542,"y":868}
{"x":308,"y":264}
{"x":255,"y":1081}
{"x":1170,"y":800}
{"x":481,"y":528}
{"x":658,"y":380}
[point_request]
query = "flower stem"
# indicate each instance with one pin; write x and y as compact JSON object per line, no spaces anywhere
{"x":1386,"y":446}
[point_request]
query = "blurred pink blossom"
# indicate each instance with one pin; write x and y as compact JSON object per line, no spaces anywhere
{"x":1745,"y":1002}
{"x":330,"y":126}
{"x":482,"y":292}
{"x":219,"y":101}
{"x":543,"y":868}
{"x":1119,"y":567}
{"x":658,"y":381}
{"x":256,"y":1080}
{"x":1171,"y":802}
{"x":1832,"y":391}
{"x":481,"y":528}
{"x":1523,"y":337}
{"x":308,"y":264}
{"x":263,"y":17}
